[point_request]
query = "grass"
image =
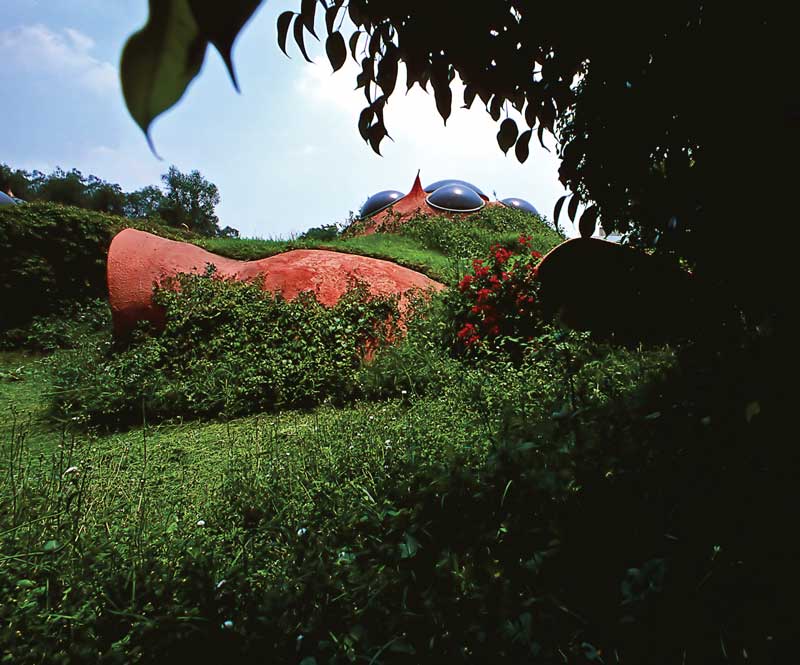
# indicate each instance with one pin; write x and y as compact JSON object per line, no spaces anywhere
{"x":405,"y":251}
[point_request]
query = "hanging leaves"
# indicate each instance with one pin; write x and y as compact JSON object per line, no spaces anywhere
{"x":336,"y":50}
{"x":522,"y":149}
{"x":440,"y":82}
{"x":220,"y":23}
{"x":308,"y":10}
{"x":387,"y":70}
{"x":160,"y":60}
{"x":557,"y":209}
{"x":284,"y":23}
{"x":354,"y":43}
{"x":572,"y":208}
{"x":298,"y":36}
{"x":507,"y":135}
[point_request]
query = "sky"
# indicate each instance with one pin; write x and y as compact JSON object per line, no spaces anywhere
{"x":285,"y":154}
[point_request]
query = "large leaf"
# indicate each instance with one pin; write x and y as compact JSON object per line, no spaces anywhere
{"x":507,"y":135}
{"x":336,"y":50}
{"x":160,"y":61}
{"x":221,"y":22}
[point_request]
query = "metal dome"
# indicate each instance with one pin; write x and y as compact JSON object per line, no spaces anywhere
{"x":520,"y":204}
{"x":380,"y":201}
{"x":451,"y":181}
{"x":456,"y":198}
{"x":6,"y":200}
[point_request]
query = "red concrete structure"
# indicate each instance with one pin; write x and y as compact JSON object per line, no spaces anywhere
{"x":415,"y":202}
{"x":137,"y":260}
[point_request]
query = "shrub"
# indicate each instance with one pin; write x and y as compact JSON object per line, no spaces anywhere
{"x":228,"y":348}
{"x":52,"y":255}
{"x":66,"y":329}
{"x":472,"y":236}
{"x":495,"y":305}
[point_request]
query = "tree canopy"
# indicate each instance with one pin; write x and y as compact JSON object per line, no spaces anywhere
{"x":645,"y":101}
{"x":188,"y":199}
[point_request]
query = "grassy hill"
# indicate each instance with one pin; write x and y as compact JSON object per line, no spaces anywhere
{"x":572,"y":501}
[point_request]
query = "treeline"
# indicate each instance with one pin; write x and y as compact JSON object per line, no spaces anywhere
{"x":183,"y":200}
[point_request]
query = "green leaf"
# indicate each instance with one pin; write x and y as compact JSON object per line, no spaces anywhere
{"x":51,"y":546}
{"x":221,"y":22}
{"x":160,"y":61}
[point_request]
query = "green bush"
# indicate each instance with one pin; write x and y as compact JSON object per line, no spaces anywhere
{"x":66,"y":329}
{"x":472,"y":236}
{"x":228,"y":348}
{"x":53,"y":255}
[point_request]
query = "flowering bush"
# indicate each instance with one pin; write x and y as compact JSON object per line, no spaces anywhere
{"x":495,"y":304}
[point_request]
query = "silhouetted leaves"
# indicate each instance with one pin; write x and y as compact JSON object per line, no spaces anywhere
{"x":284,"y":23}
{"x":572,"y":208}
{"x":522,"y":148}
{"x":308,"y":9}
{"x":354,"y":43}
{"x":387,"y":70}
{"x":298,"y":37}
{"x":336,"y":50}
{"x":507,"y":135}
{"x":221,"y":22}
{"x":557,"y":209}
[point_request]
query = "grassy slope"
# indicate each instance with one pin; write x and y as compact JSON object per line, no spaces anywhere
{"x":400,"y":249}
{"x":343,"y":450}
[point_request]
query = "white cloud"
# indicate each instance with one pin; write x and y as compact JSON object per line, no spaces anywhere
{"x":36,"y":49}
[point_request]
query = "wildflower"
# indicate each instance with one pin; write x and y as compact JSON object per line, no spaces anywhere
{"x":201,"y":522}
{"x":71,"y":470}
{"x":483,"y":295}
{"x":302,"y":531}
{"x":227,"y":624}
{"x":536,"y":255}
{"x":465,"y":283}
{"x":404,"y":392}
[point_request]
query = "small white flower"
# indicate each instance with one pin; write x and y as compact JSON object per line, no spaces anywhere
{"x":71,"y":470}
{"x":404,"y":392}
{"x":220,"y":583}
{"x":227,"y":625}
{"x":201,"y":522}
{"x":302,"y":531}
{"x":387,"y":442}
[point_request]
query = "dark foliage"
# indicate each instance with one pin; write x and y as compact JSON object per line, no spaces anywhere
{"x":52,"y":256}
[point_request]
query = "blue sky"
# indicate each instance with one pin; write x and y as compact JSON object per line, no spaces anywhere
{"x":285,"y":154}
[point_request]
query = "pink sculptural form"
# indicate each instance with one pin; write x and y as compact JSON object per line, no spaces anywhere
{"x":138,"y":260}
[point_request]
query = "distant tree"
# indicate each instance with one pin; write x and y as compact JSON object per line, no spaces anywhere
{"x":104,"y":196}
{"x":228,"y":232}
{"x":65,"y":187}
{"x":144,"y":203}
{"x":15,"y":182}
{"x":324,"y":232}
{"x":190,"y":200}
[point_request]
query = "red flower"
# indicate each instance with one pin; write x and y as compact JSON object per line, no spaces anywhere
{"x":536,"y":255}
{"x":465,"y":283}
{"x":481,"y":271}
{"x":483,"y":295}
{"x":501,"y":255}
